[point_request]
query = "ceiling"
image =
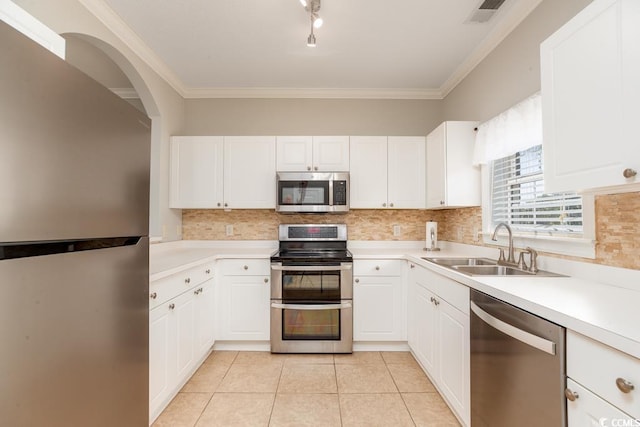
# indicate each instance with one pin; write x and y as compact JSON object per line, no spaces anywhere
{"x":257,"y":48}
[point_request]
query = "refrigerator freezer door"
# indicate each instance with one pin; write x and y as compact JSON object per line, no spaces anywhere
{"x":74,"y":337}
{"x":74,"y":157}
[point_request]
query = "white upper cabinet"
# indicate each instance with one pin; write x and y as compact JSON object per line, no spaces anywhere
{"x":590,"y":92}
{"x":196,"y":172}
{"x":387,"y":172}
{"x":452,"y":180}
{"x":317,"y":153}
{"x":250,"y":172}
{"x":215,"y":172}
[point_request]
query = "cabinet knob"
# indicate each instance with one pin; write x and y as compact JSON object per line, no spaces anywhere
{"x":384,"y":205}
{"x":219,"y":204}
{"x":226,"y":205}
{"x":208,"y":271}
{"x":377,"y":267}
{"x":172,"y":306}
{"x":266,"y":280}
{"x":153,"y":295}
{"x":315,"y":168}
{"x":357,"y":280}
{"x":196,"y":292}
{"x":412,"y":266}
{"x":391,"y":205}
{"x":442,"y":202}
{"x":624,"y":385}
{"x":308,"y":168}
{"x":629,"y":173}
{"x":570,"y":395}
{"x":246,"y":267}
{"x":187,"y":280}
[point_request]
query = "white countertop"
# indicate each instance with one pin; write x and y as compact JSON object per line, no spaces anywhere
{"x":597,"y":301}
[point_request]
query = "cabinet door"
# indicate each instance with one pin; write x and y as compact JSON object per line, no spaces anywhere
{"x":196,"y":172}
{"x":250,"y":172}
{"x":244,"y":308}
{"x":436,"y":168}
{"x":378,"y":309}
{"x":184,"y":316}
{"x":294,"y":153}
{"x":205,"y":319}
{"x":331,"y":153}
{"x":454,"y":370}
{"x":406,"y":172}
{"x":368,"y":176}
{"x":161,"y":358}
{"x":590,"y":410}
{"x":590,"y":92}
{"x":427,"y":333}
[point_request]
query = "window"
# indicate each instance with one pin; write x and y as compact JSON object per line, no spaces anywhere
{"x":518,"y":198}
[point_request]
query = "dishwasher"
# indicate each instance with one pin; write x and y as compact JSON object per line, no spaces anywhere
{"x":517,"y":367}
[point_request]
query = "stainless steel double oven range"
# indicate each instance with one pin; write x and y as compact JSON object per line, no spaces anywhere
{"x":312,"y":290}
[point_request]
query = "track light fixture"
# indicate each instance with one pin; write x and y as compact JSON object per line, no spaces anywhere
{"x":313,"y":7}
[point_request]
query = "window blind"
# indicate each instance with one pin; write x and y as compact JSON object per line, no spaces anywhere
{"x":518,"y":197}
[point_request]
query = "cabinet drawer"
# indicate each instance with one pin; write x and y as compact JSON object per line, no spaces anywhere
{"x":378,"y":267}
{"x":597,"y":367}
{"x":169,"y":287}
{"x":245,"y":267}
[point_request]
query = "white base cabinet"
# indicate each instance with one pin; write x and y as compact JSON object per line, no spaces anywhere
{"x":587,"y":409}
{"x":244,"y":294}
{"x":379,"y":300}
{"x":180,"y":332}
{"x":439,"y":335}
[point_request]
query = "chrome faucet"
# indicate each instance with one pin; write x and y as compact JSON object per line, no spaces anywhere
{"x":511,"y":259}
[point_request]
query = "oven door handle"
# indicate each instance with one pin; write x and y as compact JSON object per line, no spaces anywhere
{"x":306,"y":307}
{"x":312,"y":267}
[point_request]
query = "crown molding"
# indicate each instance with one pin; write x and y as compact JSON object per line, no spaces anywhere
{"x":318,"y":93}
{"x":115,"y":24}
{"x":514,"y":17}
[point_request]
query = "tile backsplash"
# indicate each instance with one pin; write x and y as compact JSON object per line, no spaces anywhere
{"x":617,"y":226}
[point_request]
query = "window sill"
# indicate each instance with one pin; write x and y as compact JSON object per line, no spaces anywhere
{"x":572,"y":246}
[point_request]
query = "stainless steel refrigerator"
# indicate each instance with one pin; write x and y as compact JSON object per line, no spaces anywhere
{"x":74,"y":274}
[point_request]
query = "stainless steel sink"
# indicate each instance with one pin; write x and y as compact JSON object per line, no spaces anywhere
{"x":486,"y":267}
{"x":491,"y":270}
{"x":451,"y":262}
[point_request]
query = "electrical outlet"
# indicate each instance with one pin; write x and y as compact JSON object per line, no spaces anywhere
{"x":396,"y":230}
{"x":228,"y":229}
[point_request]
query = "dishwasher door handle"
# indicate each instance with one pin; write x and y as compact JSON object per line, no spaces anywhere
{"x":523,"y":336}
{"x":308,"y":307}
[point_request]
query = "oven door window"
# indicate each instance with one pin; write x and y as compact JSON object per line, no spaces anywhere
{"x":311,"y":286}
{"x":311,"y":324}
{"x":292,"y":193}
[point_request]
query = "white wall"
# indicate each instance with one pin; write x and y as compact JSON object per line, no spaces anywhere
{"x":163,"y":104}
{"x":311,"y":116}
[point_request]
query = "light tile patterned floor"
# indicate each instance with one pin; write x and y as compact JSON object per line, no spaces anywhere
{"x":263,"y":389}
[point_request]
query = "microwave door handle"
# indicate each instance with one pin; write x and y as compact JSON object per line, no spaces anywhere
{"x":331,"y":192}
{"x":313,"y":267}
{"x":309,"y":307}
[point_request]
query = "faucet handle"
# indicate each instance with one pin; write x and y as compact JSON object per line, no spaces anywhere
{"x":501,"y":257}
{"x":533,"y":267}
{"x":521,"y":264}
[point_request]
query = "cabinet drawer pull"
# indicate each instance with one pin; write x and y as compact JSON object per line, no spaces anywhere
{"x":208,"y":271}
{"x":377,"y":267}
{"x":629,"y":173}
{"x":246,"y":267}
{"x":624,"y":385}
{"x":172,"y":306}
{"x":266,"y":280}
{"x":412,"y":266}
{"x":187,"y":280}
{"x":357,"y":280}
{"x":571,"y":395}
{"x":153,"y":295}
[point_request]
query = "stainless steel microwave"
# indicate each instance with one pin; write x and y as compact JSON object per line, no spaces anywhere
{"x":312,"y":192}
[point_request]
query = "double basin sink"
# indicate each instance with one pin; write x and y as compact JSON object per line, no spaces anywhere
{"x":486,"y":267}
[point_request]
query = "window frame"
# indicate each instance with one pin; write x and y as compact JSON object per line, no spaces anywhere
{"x":583,"y":246}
